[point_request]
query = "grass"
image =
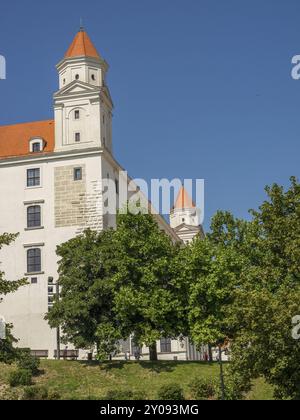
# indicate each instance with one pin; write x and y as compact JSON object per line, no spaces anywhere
{"x":81,"y":380}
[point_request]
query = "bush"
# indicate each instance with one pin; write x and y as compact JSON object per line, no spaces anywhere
{"x":117,"y":394}
{"x":123,"y":394}
{"x":20,"y":377}
{"x":170,"y":392}
{"x":35,"y":393}
{"x":203,"y":389}
{"x":54,"y":396}
{"x":28,"y":362}
{"x":39,"y":393}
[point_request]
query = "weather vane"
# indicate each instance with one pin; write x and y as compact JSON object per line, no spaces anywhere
{"x":81,"y":24}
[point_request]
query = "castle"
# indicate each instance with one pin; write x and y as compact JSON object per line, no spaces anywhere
{"x":51,"y":186}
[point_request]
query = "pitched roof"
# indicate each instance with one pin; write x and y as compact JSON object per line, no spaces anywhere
{"x":82,"y":46}
{"x":14,"y":139}
{"x":183,"y":201}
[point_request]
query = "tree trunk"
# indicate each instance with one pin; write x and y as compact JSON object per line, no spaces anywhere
{"x":210,"y":355}
{"x":153,"y":352}
{"x":223,"y":396}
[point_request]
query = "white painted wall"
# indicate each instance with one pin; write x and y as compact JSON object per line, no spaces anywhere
{"x":26,"y":308}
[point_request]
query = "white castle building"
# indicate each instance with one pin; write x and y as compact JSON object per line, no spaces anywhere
{"x":51,"y":189}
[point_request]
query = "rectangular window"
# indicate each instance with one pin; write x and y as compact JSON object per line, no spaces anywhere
{"x":36,"y":147}
{"x":77,"y":174}
{"x":33,"y":177}
{"x":34,"y":264}
{"x":34,"y":216}
{"x":77,"y":137}
{"x":77,"y":115}
{"x":165,"y":345}
{"x":117,"y":186}
{"x":34,"y":280}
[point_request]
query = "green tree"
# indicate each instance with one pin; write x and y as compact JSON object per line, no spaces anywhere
{"x":7,"y":350}
{"x":267,"y":297}
{"x":270,"y":294}
{"x":85,"y":310}
{"x":115,"y":284}
{"x":212,"y":272}
{"x":147,"y":302}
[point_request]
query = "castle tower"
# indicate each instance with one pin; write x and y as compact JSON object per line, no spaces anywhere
{"x":83,"y":105}
{"x":184,"y":217}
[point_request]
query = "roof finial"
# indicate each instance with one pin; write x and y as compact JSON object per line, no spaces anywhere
{"x":81,"y":25}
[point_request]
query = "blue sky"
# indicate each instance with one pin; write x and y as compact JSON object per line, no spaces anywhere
{"x":202,"y":88}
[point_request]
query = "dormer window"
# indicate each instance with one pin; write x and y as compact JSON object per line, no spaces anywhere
{"x":36,"y":145}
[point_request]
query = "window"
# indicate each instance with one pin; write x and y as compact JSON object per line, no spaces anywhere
{"x":34,"y":260}
{"x":93,"y":77}
{"x":117,"y":186}
{"x":77,"y":174}
{"x":33,"y":177}
{"x":34,"y":280}
{"x":36,"y":147}
{"x":77,"y":137}
{"x":50,"y":290}
{"x":34,"y":216}
{"x":77,"y":115}
{"x":165,"y":345}
{"x":77,"y":77}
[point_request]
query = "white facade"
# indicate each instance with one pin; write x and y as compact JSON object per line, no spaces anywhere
{"x":68,"y":196}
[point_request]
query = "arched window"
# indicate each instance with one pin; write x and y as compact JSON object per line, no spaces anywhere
{"x":34,"y":216}
{"x":34,"y":263}
{"x":36,"y":145}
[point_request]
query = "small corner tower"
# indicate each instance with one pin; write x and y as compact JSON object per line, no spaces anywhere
{"x":184,"y":217}
{"x":82,"y":105}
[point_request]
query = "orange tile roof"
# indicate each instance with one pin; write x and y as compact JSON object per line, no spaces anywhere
{"x":14,"y":139}
{"x":183,"y":200}
{"x":82,"y":46}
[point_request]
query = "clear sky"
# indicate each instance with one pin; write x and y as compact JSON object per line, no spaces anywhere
{"x":202,"y":88}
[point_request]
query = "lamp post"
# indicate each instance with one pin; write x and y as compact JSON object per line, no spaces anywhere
{"x":58,"y":328}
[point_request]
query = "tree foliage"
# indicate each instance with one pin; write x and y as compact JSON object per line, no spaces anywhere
{"x":117,"y":283}
{"x":268,"y":294}
{"x":7,"y":350}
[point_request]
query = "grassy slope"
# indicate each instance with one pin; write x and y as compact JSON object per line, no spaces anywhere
{"x":79,"y":380}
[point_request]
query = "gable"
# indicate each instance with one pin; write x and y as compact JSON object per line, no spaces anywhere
{"x":187,"y":228}
{"x":77,"y":87}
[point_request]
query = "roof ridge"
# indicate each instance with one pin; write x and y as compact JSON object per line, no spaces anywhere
{"x":27,"y":122}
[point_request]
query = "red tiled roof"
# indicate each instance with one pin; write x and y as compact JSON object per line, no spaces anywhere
{"x":183,"y":200}
{"x":14,"y":139}
{"x":82,"y":46}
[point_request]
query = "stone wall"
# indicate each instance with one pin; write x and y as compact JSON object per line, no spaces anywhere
{"x":74,"y":206}
{"x":70,"y":197}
